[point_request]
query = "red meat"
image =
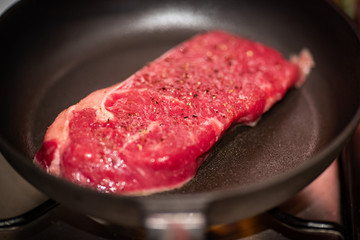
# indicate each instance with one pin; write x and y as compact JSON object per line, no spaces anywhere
{"x":149,"y":132}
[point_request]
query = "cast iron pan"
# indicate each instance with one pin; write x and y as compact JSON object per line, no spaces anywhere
{"x":53,"y":53}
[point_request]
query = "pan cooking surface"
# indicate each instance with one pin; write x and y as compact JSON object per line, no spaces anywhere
{"x":283,"y":139}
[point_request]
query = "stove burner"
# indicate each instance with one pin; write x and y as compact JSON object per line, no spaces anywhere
{"x":299,"y":228}
{"x":29,"y":216}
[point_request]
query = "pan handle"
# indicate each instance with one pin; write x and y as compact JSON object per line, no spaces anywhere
{"x":175,"y":226}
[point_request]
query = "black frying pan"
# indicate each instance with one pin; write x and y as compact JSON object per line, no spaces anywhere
{"x":53,"y":53}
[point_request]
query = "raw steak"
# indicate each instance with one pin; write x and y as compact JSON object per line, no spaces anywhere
{"x":150,"y":132}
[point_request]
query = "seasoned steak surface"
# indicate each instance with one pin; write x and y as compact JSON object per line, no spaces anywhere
{"x":149,"y":132}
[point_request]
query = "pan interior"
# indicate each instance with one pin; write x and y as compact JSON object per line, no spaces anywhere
{"x":80,"y":55}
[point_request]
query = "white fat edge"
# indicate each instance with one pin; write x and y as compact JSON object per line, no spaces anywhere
{"x":269,"y":103}
{"x":252,"y":123}
{"x":55,"y":166}
{"x":305,"y":62}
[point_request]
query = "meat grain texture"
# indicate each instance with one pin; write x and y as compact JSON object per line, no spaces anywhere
{"x":149,"y":133}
